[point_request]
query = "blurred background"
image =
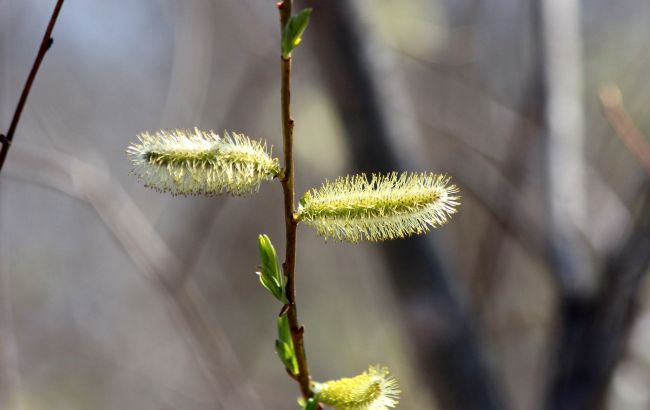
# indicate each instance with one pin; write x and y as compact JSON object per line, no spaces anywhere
{"x":113,"y":296}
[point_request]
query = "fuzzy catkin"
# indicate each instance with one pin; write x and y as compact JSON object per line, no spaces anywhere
{"x":184,"y":162}
{"x":379,"y":207}
{"x":374,"y":389}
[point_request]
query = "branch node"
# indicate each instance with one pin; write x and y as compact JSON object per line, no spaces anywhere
{"x":293,"y":376}
{"x":285,"y":309}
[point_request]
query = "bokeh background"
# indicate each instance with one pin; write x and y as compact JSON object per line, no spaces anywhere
{"x":532,"y":298}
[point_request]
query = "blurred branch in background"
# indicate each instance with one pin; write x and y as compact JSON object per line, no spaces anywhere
{"x":512,"y":166}
{"x":509,"y":170}
{"x":600,"y":327}
{"x":93,"y":184}
{"x":595,"y":329}
{"x":622,"y":124}
{"x":358,"y":75}
{"x":506,"y":212}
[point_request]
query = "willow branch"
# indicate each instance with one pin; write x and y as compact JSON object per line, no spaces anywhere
{"x":291,"y":224}
{"x":47,"y":41}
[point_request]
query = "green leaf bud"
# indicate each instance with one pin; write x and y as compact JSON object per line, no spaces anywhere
{"x":284,"y":346}
{"x":271,"y":276}
{"x":292,"y":33}
{"x":310,"y":404}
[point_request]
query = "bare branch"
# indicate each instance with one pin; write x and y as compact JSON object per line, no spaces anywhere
{"x":46,"y":43}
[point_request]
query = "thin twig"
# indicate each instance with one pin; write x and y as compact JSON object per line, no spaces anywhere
{"x":45,"y":45}
{"x":290,"y":223}
{"x":622,"y":124}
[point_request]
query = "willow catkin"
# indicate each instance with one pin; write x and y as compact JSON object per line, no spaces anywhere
{"x":184,"y":162}
{"x":374,"y":389}
{"x":379,"y":207}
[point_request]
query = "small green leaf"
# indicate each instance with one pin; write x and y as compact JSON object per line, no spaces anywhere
{"x":284,"y":332}
{"x":311,"y":404}
{"x":271,"y":276}
{"x":288,"y":357}
{"x":284,"y":345}
{"x":286,"y":354}
{"x":292,"y":33}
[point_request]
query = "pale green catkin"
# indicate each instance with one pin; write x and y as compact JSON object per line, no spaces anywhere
{"x":379,"y":207}
{"x":374,"y":389}
{"x":184,"y":162}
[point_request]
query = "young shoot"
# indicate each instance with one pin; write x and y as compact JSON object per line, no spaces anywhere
{"x":375,"y":208}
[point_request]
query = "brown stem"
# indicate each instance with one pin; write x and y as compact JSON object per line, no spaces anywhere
{"x":5,"y":140}
{"x":291,"y":224}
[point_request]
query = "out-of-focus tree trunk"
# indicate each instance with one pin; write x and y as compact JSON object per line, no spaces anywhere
{"x":366,"y":92}
{"x":597,"y":306}
{"x":594,"y":331}
{"x":565,"y":160}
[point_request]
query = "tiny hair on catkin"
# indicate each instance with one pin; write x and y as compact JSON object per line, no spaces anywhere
{"x":195,"y":162}
{"x":379,"y":207}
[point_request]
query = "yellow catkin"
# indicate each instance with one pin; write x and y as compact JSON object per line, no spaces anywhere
{"x":374,"y":389}
{"x":379,"y":207}
{"x":184,"y":162}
